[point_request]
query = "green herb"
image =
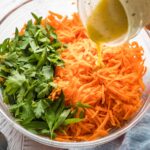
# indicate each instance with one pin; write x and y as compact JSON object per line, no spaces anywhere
{"x":82,"y":114}
{"x":27,"y":65}
{"x":82,"y":105}
{"x":58,"y":113}
{"x":72,"y":120}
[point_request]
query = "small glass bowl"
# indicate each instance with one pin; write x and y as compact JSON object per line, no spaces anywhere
{"x":20,"y":15}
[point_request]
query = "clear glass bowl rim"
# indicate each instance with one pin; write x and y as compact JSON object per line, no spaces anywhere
{"x":49,"y":142}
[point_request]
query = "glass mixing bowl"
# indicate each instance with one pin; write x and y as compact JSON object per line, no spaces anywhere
{"x":21,"y":14}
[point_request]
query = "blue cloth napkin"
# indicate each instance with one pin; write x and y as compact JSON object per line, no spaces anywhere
{"x":137,"y":138}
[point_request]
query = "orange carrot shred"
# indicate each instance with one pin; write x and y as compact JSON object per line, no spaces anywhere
{"x":114,"y":91}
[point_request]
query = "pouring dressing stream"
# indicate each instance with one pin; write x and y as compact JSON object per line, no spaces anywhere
{"x":102,"y":24}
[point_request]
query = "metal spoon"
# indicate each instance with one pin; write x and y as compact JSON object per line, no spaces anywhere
{"x":3,"y":142}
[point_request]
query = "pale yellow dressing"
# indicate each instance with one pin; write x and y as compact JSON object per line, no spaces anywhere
{"x":107,"y":22}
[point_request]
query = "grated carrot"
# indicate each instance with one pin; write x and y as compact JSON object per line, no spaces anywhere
{"x":114,"y":91}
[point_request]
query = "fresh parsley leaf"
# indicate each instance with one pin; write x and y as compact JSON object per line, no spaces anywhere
{"x":39,"y":108}
{"x":27,"y":114}
{"x":63,"y":116}
{"x":82,"y":105}
{"x":50,"y":119}
{"x":42,"y":59}
{"x":36,"y":125}
{"x":72,"y":120}
{"x":48,"y":72}
{"x":14,"y":82}
{"x":37,"y":19}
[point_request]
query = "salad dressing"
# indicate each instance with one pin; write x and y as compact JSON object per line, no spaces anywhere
{"x":107,"y":22}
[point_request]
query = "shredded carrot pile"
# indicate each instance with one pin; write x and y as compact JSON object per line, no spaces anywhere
{"x":68,"y":30}
{"x":113,"y":91}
